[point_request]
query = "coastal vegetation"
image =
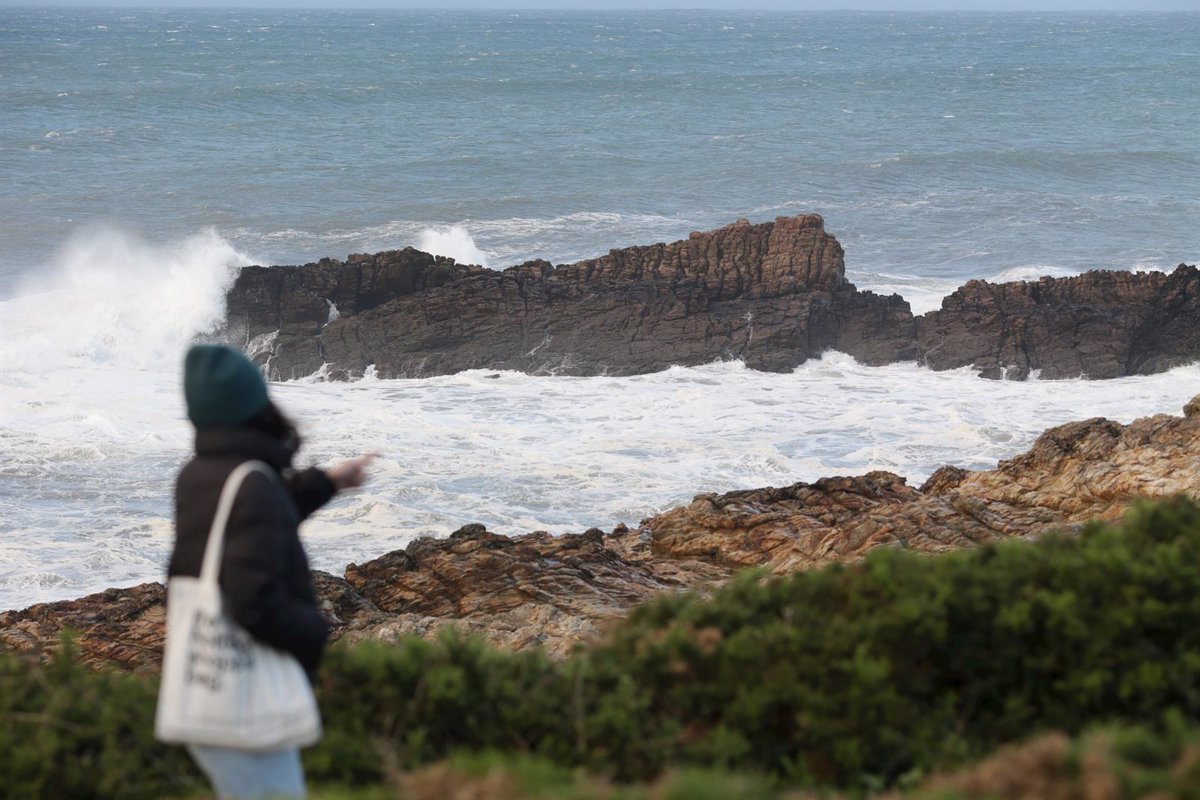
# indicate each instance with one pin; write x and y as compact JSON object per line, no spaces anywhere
{"x":855,"y":678}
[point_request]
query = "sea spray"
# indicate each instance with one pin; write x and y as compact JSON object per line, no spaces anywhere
{"x":453,"y":242}
{"x":110,"y":297}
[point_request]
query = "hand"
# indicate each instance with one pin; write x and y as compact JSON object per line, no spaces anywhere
{"x":352,"y":473}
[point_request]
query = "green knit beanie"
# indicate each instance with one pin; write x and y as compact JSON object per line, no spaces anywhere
{"x":222,"y":386}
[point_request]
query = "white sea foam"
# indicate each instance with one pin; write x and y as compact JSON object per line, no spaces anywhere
{"x":1031,"y":272}
{"x":923,"y":294}
{"x":111,"y":297}
{"x":1154,"y":266}
{"x":453,"y":242}
{"x":520,"y":453}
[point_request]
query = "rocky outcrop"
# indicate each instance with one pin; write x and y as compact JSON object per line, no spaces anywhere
{"x":537,"y":589}
{"x":281,"y":312}
{"x":1095,"y":325}
{"x":773,"y":294}
{"x":1074,"y":473}
{"x":123,"y":628}
{"x":558,"y":591}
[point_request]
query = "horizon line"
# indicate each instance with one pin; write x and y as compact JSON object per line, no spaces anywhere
{"x":332,"y":5}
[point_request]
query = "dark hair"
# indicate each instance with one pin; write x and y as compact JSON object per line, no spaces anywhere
{"x":277,"y":425}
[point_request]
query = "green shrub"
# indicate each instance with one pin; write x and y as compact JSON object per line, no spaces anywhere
{"x":420,"y":700}
{"x":68,"y":732}
{"x":858,"y":676}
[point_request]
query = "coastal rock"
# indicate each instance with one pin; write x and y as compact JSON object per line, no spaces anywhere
{"x":772,"y":294}
{"x":118,"y":627}
{"x":559,"y":591}
{"x":534,"y":589}
{"x":281,"y":312}
{"x":1073,"y":473}
{"x":1095,"y":325}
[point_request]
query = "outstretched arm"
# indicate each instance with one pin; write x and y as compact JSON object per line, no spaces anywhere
{"x":352,"y":473}
{"x":310,"y":489}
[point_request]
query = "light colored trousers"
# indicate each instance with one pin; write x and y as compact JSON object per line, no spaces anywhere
{"x":244,"y":775}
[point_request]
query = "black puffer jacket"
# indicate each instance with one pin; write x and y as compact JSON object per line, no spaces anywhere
{"x":264,"y":573}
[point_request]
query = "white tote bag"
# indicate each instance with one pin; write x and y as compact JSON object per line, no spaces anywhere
{"x":220,"y":686}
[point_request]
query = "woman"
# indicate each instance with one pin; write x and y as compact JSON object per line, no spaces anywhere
{"x":265,"y":581}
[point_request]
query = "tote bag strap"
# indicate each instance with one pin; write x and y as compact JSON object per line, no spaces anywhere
{"x":215,"y":547}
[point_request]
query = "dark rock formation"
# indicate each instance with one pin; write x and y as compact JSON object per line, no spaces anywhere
{"x":282,"y":311}
{"x":772,"y":294}
{"x":558,"y":591}
{"x":1098,"y":325}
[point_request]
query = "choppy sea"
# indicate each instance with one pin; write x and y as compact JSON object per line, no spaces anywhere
{"x":145,"y":155}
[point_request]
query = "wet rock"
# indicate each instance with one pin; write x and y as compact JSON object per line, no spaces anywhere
{"x":1096,"y":325}
{"x":341,"y":603}
{"x":772,"y":294}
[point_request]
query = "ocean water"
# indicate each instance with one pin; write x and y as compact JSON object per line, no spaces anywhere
{"x":145,"y":155}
